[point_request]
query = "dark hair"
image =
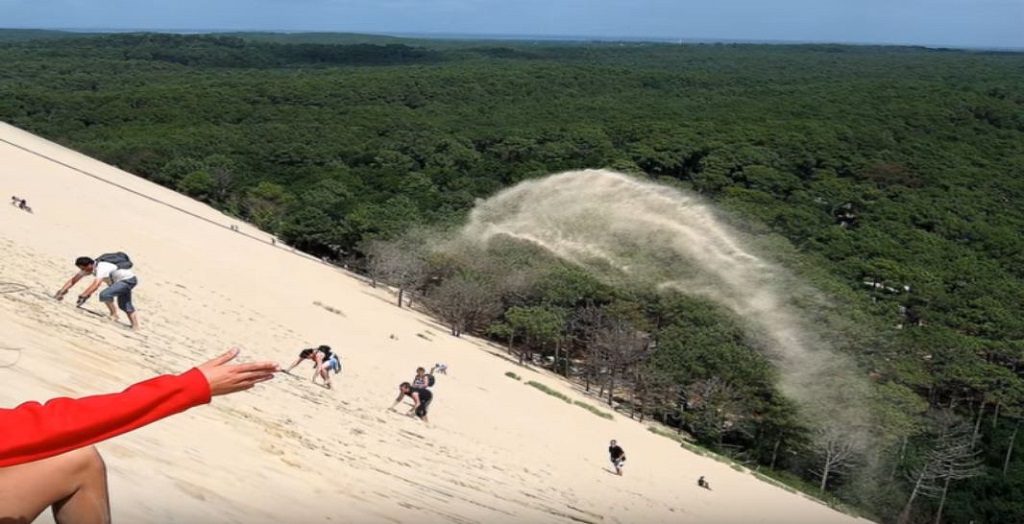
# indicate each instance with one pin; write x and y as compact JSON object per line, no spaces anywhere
{"x":305,"y":353}
{"x":84,"y":261}
{"x":419,"y":369}
{"x":404,"y":385}
{"x":324,"y":347}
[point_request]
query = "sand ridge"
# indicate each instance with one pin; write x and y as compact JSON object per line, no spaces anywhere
{"x":496,"y":451}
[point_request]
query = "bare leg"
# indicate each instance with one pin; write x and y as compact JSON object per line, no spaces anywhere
{"x":74,"y":484}
{"x":134,"y":319}
{"x":113,"y":310}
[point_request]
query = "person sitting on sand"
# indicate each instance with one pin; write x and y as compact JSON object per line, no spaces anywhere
{"x":703,"y":483}
{"x":618,"y":457}
{"x":15,"y":201}
{"x":116,"y":270}
{"x":440,"y":367}
{"x":46,"y":457}
{"x":324,"y":361}
{"x":421,"y":398}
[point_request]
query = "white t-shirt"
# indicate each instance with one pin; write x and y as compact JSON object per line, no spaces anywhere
{"x":110,"y":270}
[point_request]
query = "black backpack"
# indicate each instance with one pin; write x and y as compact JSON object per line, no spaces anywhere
{"x":117,"y":258}
{"x":430,"y":381}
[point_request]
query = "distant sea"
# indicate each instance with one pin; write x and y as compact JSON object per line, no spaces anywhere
{"x":542,"y":38}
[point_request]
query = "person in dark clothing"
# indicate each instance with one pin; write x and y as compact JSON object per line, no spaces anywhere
{"x":421,"y":398}
{"x":703,"y":483}
{"x":618,"y":457}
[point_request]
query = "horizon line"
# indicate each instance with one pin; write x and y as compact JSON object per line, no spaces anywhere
{"x":524,"y":37}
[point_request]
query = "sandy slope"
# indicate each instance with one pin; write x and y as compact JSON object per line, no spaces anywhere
{"x":497,"y":451}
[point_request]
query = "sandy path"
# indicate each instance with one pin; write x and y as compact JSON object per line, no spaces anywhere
{"x":497,"y":451}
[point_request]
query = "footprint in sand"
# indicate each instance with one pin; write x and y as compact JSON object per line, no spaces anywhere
{"x":272,"y":449}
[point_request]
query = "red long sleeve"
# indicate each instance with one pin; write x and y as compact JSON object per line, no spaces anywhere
{"x":34,"y":431}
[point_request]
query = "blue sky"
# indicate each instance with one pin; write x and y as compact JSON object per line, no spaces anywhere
{"x":967,"y":23}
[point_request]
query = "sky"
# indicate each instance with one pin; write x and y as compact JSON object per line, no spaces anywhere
{"x":952,"y":23}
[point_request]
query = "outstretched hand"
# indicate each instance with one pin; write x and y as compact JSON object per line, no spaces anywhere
{"x":227,"y":378}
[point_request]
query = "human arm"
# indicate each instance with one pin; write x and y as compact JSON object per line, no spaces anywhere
{"x":296,"y":363}
{"x":318,"y":360}
{"x":415,"y":402}
{"x":69,"y":284}
{"x":89,"y":290}
{"x":397,"y":400}
{"x":34,"y":431}
{"x":102,"y":271}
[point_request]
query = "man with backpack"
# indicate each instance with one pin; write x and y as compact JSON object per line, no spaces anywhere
{"x":116,"y":270}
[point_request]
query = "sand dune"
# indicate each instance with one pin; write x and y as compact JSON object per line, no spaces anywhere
{"x":289,"y":451}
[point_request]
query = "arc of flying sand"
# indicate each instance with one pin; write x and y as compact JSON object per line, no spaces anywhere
{"x":672,"y":239}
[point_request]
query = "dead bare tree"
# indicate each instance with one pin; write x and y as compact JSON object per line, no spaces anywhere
{"x":399,"y":263}
{"x":613,"y":344}
{"x":223,"y":179}
{"x":653,"y":390}
{"x":714,"y":404}
{"x":1009,"y":450}
{"x":838,"y":450}
{"x":464,"y":303}
{"x":952,"y":458}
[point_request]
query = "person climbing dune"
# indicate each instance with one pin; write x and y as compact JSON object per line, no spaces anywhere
{"x":324,"y":361}
{"x":116,"y":270}
{"x":423,"y":379}
{"x":46,"y":453}
{"x":421,"y":398}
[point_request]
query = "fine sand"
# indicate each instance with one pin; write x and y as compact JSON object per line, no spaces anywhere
{"x":291,"y":451}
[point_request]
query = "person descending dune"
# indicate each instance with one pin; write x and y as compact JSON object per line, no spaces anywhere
{"x":46,"y":457}
{"x":116,"y":270}
{"x":324,"y":361}
{"x":617,"y":456}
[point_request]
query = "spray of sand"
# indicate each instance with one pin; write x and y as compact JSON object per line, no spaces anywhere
{"x":621,"y":227}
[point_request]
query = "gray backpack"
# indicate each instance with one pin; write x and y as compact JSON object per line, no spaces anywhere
{"x":117,"y":258}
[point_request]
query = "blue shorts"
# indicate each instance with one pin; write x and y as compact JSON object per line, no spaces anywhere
{"x":122,"y":291}
{"x":333,"y":364}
